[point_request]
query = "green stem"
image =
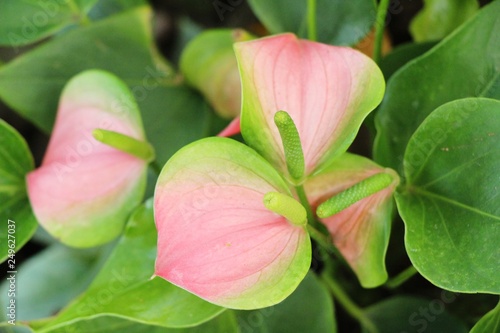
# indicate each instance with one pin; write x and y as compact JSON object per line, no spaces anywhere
{"x":77,"y":12}
{"x":321,"y":239}
{"x":401,"y":278}
{"x":379,"y":29}
{"x":311,"y":20}
{"x":351,"y":308}
{"x":324,"y":241}
{"x":301,"y":193}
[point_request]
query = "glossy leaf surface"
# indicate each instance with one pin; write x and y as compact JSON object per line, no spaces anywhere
{"x":124,"y":286}
{"x":15,"y":162}
{"x":337,"y":22}
{"x":471,"y":70}
{"x":451,"y":203}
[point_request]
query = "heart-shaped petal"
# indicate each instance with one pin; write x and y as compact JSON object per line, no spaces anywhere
{"x":84,"y":190}
{"x":327,"y":90}
{"x":216,"y":238}
{"x":361,"y":231}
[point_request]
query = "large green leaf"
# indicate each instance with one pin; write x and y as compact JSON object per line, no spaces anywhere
{"x":26,"y":21}
{"x":104,"y":8}
{"x":17,"y":221}
{"x":31,"y":84}
{"x":308,"y":309}
{"x":6,"y":327}
{"x":38,"y":296}
{"x":124,"y":286}
{"x":451,"y":203}
{"x":225,"y":322}
{"x":338,"y":22}
{"x":414,"y":315}
{"x":489,"y":323}
{"x":466,"y":64}
{"x":440,"y":17}
{"x":401,"y":55}
{"x":173,"y":115}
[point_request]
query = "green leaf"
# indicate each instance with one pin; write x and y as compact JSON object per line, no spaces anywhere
{"x":439,"y":18}
{"x":26,"y":21}
{"x":463,"y":65}
{"x":31,"y":84}
{"x":172,"y":115}
{"x":337,"y":22}
{"x":18,"y":328}
{"x":104,"y":8}
{"x":37,"y":295}
{"x":308,"y":309}
{"x":124,"y":286}
{"x":489,"y":323}
{"x":225,"y":322}
{"x":401,"y":55}
{"x":450,"y":204}
{"x":414,"y":315}
{"x":17,"y":220}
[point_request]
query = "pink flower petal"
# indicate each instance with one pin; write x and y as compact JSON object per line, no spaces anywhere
{"x":327,"y":90}
{"x":232,"y":129}
{"x":360,"y":232}
{"x":216,"y":239}
{"x":84,"y":190}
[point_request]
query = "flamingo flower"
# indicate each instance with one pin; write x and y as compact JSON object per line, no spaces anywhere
{"x":84,"y":189}
{"x":232,"y":222}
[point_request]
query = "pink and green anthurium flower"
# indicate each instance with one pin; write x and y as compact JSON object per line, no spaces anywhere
{"x":216,"y":238}
{"x":327,"y":91}
{"x":234,"y":221}
{"x":85,"y":189}
{"x":359,"y":231}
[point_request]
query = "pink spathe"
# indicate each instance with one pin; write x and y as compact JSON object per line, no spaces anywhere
{"x":215,"y":236}
{"x":83,"y":185}
{"x":327,"y":90}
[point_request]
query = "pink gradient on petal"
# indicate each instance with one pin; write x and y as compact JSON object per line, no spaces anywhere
{"x":81,"y":179}
{"x":72,"y":134}
{"x":232,"y":129}
{"x":355,"y":228}
{"x":56,"y":188}
{"x":315,"y":83}
{"x":350,"y":229}
{"x":215,"y":236}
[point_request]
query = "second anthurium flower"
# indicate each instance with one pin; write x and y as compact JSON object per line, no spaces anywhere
{"x":232,"y":220}
{"x":84,"y":190}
